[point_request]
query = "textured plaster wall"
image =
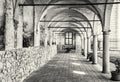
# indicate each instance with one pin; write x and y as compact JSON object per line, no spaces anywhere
{"x":16,"y":65}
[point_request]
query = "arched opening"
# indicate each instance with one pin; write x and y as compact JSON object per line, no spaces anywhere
{"x":35,"y":31}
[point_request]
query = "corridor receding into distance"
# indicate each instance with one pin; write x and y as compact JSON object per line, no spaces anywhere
{"x":70,"y":67}
{"x":59,"y":40}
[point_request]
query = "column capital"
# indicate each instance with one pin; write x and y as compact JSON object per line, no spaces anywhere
{"x":106,"y":32}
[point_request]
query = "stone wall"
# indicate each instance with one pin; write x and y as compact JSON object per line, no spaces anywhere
{"x":16,"y":65}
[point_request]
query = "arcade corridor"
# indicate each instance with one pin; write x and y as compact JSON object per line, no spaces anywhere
{"x":69,"y":67}
{"x":59,"y":40}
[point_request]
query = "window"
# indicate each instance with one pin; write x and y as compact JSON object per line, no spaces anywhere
{"x":69,"y":38}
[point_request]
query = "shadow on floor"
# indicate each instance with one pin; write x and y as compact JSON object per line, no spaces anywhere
{"x":66,"y":68}
{"x":57,"y":70}
{"x":52,"y":73}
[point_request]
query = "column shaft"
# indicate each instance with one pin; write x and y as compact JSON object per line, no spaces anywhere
{"x":9,"y":26}
{"x":95,"y":47}
{"x":55,"y":38}
{"x":85,"y":47}
{"x":88,"y":45}
{"x":36,"y":30}
{"x":46,"y":37}
{"x":20,"y":29}
{"x":50,"y":36}
{"x":81,"y":43}
{"x":106,"y":57}
{"x":118,"y":26}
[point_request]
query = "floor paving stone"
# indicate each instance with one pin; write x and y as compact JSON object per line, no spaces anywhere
{"x":69,"y":67}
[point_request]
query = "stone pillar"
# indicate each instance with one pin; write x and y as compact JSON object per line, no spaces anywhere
{"x":81,"y":43}
{"x":9,"y":26}
{"x":46,"y":37}
{"x":54,"y":39}
{"x":85,"y":47}
{"x":118,"y":26}
{"x":36,"y":36}
{"x":106,"y":57}
{"x":51,"y":38}
{"x":36,"y":29}
{"x":88,"y":45}
{"x":20,"y":29}
{"x":95,"y":47}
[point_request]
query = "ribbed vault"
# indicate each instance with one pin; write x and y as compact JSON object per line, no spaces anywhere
{"x":60,"y":12}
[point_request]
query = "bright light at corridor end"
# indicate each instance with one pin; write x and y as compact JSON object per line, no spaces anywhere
{"x":79,"y":72}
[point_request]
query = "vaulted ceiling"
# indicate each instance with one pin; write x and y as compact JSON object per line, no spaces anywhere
{"x":60,"y":12}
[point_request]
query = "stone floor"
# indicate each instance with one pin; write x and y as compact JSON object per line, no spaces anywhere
{"x":69,"y":67}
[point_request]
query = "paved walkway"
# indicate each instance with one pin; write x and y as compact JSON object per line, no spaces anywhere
{"x":69,"y":68}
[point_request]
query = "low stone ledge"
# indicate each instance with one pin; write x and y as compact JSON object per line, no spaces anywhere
{"x":16,"y":65}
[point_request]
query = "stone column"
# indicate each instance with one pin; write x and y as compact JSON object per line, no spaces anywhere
{"x":88,"y":45}
{"x":118,"y":26}
{"x":81,"y":43}
{"x":36,"y":29}
{"x":9,"y":26}
{"x":85,"y":47}
{"x":95,"y":46}
{"x":55,"y":37}
{"x":37,"y":36}
{"x":20,"y":28}
{"x":46,"y":37}
{"x":106,"y":57}
{"x":51,"y":38}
